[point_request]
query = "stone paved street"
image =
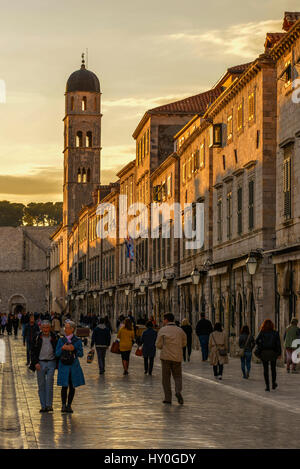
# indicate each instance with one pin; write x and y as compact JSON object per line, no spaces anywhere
{"x":114,"y":411}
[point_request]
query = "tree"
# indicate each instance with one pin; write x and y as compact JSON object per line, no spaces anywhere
{"x":11,"y":214}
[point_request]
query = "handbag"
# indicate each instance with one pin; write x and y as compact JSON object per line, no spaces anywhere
{"x":67,"y":356}
{"x":90,"y":356}
{"x":221,"y":352}
{"x":115,"y":347}
{"x":241,"y":351}
{"x":139,"y":352}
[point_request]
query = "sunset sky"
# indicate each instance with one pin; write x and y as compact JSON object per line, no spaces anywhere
{"x":144,"y":53}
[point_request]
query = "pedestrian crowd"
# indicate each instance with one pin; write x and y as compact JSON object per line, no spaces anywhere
{"x":50,"y":345}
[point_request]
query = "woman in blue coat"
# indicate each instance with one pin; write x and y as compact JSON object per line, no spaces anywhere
{"x":70,"y":374}
{"x":149,"y":349}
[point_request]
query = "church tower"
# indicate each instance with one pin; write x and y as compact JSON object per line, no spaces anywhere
{"x":82,"y":142}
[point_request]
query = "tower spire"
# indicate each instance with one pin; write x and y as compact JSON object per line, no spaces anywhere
{"x":82,"y":60}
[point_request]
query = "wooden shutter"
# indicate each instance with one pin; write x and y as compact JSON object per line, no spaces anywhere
{"x":287,"y":187}
{"x":251,"y":204}
{"x":239,"y":210}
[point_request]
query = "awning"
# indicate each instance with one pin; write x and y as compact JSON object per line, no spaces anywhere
{"x":239,"y":264}
{"x":218,"y":271}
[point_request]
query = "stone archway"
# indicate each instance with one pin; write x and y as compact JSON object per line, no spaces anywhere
{"x":17,"y":303}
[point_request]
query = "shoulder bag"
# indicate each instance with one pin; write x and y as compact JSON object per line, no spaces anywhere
{"x":241,"y":351}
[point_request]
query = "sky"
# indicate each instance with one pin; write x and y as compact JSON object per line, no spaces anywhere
{"x":144,"y":54}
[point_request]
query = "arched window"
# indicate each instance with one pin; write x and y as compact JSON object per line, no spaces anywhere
{"x":88,"y":139}
{"x":79,"y":175}
{"x":72,"y":103}
{"x":88,"y":177}
{"x":83,"y":104}
{"x":83,"y":176}
{"x":79,"y":139}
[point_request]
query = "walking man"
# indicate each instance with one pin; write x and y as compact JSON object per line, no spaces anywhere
{"x":44,"y":362}
{"x":203,"y":330}
{"x":291,"y":333}
{"x":101,"y":338}
{"x":171,"y":340}
{"x":30,"y":331}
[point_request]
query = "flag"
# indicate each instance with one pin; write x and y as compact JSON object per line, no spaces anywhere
{"x":130,"y":248}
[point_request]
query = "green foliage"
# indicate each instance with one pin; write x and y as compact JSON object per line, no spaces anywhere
{"x":33,"y":214}
{"x":11,"y":214}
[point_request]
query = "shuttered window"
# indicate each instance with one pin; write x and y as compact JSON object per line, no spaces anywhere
{"x":240,"y":210}
{"x":251,"y":204}
{"x":287,"y":192}
{"x":219,"y":213}
{"x":229,"y":215}
{"x":202,"y":156}
{"x":240,"y":117}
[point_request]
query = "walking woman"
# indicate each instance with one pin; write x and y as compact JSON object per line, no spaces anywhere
{"x":126,"y":336}
{"x":187,"y":328}
{"x":70,"y":374}
{"x":218,"y":350}
{"x":148,"y":341}
{"x":268,"y":350}
{"x":247,"y":344}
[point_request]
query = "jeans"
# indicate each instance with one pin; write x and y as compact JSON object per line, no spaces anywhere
{"x":246,"y":362}
{"x":148,"y":364}
{"x":45,"y":378}
{"x":204,"y":346}
{"x":218,"y":369}
{"x":101,"y":352}
{"x":169,"y":367}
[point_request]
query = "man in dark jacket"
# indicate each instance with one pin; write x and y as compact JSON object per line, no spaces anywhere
{"x":148,"y":340}
{"x":203,"y":330}
{"x":24,"y":321}
{"x":44,"y":362}
{"x":30,"y":331}
{"x":101,"y":338}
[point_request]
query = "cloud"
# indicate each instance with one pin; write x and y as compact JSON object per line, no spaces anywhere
{"x":44,"y":180}
{"x":242,"y":40}
{"x":146,"y":103}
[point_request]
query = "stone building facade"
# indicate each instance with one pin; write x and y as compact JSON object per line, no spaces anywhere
{"x":24,"y":269}
{"x":224,"y":150}
{"x":284,"y":48}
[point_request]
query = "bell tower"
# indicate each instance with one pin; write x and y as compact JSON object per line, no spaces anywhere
{"x":82,"y":142}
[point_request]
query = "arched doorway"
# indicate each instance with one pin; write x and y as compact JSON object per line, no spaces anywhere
{"x":17,"y":304}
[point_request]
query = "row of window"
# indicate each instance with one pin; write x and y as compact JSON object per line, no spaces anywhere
{"x":83,"y":104}
{"x":82,"y":231}
{"x":108,"y":267}
{"x":195,"y":162}
{"x":239,"y":211}
{"x":80,"y":140}
{"x":163,"y":191}
{"x":143,"y":147}
{"x":83,"y":176}
{"x":94,"y":270}
{"x":161,"y":252}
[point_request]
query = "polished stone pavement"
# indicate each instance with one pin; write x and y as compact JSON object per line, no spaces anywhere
{"x":116,"y":411}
